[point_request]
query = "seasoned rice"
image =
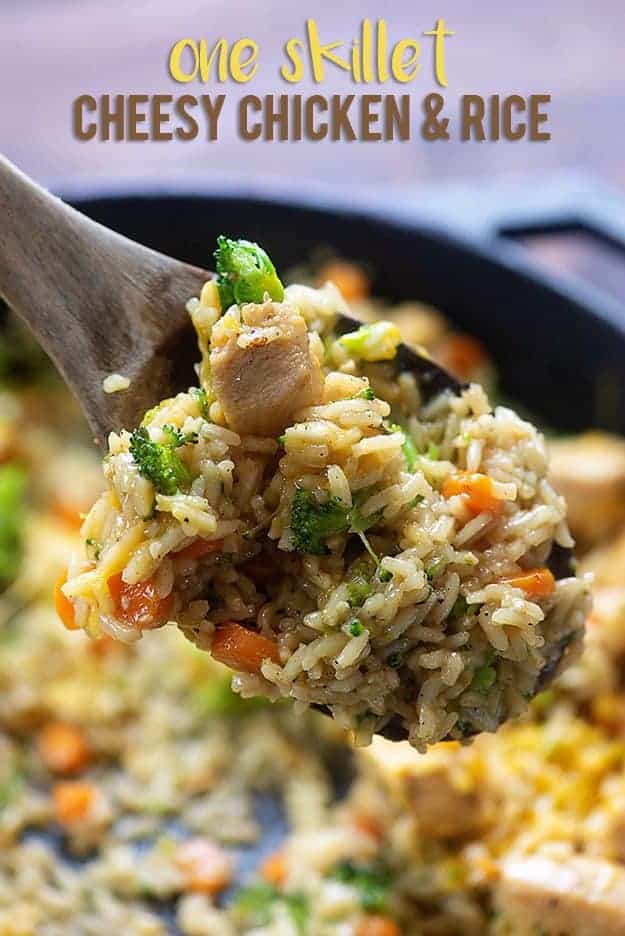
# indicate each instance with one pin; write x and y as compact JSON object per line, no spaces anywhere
{"x":440,"y":638}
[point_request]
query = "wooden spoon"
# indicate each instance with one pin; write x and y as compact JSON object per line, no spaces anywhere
{"x":100,"y":303}
{"x":97,"y":302}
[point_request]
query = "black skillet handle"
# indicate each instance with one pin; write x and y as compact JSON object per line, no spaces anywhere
{"x":576,"y":231}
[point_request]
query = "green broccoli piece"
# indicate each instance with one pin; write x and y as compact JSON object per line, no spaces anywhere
{"x":253,"y":905}
{"x":366,"y":394}
{"x":202,"y":401}
{"x":176,"y":437}
{"x":10,"y":785}
{"x":484,"y":678}
{"x":359,"y":586}
{"x":409,"y":449}
{"x":373,"y":883}
{"x":358,"y":522}
{"x":312,"y":523}
{"x":159,"y":462}
{"x":358,"y":591}
{"x":12,"y":491}
{"x":215,"y":697}
{"x":245,"y":273}
{"x":375,"y":342}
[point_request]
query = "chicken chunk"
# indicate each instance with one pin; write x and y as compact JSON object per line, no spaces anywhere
{"x":576,"y":896}
{"x":264,"y":372}
{"x":438,"y":789}
{"x":589,"y":470}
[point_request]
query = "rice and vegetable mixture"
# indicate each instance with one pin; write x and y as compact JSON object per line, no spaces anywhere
{"x":130,"y":774}
{"x":326,"y":531}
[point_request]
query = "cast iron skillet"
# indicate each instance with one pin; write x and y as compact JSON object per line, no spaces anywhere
{"x":555,"y":350}
{"x":560,"y":351}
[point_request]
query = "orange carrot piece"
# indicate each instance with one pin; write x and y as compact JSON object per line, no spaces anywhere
{"x":368,"y":825}
{"x":242,"y":649}
{"x":197,"y":549}
{"x":350,"y":279}
{"x":274,"y":869}
{"x":478,"y":490}
{"x":538,"y":583}
{"x":463,"y":355}
{"x":63,"y":748}
{"x":139,"y":605}
{"x":102,"y":646}
{"x":69,"y":514}
{"x":73,"y":800}
{"x":206,"y":868}
{"x":375,"y":925}
{"x":64,"y":607}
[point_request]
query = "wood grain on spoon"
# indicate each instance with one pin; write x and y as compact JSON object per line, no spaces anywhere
{"x":97,"y":302}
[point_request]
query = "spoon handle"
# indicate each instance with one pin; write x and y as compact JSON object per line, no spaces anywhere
{"x":97,"y":302}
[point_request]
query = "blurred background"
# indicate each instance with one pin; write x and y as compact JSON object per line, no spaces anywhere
{"x":53,"y":50}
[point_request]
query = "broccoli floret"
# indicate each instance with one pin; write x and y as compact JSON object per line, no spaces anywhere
{"x":12,"y":488}
{"x":245,"y":273}
{"x":358,"y":522}
{"x":158,"y":462}
{"x":358,"y":591}
{"x":484,"y":678}
{"x":253,"y":905}
{"x":215,"y":697}
{"x":409,"y":449}
{"x":375,"y":342}
{"x":202,"y":401}
{"x":373,"y":883}
{"x":176,"y":437}
{"x":312,"y":523}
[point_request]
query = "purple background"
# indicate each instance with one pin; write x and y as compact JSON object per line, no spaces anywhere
{"x":53,"y":50}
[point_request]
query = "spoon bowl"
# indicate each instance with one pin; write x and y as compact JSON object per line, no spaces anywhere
{"x":100,"y":303}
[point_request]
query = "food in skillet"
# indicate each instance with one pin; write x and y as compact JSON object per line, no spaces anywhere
{"x":105,"y":743}
{"x":327,"y":533}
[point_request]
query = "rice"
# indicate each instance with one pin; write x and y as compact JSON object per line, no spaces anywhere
{"x":420,"y":555}
{"x":176,"y":756}
{"x":114,"y":383}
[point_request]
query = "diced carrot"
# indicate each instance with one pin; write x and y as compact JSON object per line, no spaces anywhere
{"x":478,"y":490}
{"x":274,"y":868}
{"x":63,"y":748}
{"x":64,"y":607}
{"x":368,"y":824}
{"x":242,"y":649}
{"x":350,"y":279}
{"x":197,"y":549}
{"x":374,"y":925}
{"x":102,"y":646}
{"x":461,"y":354}
{"x":206,"y":868}
{"x":139,"y":605}
{"x":536,"y":582}
{"x":73,"y":800}
{"x":69,"y":514}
